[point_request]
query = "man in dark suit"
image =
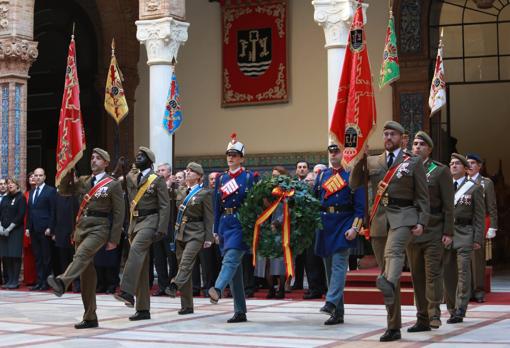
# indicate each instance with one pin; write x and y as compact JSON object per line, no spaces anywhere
{"x":40,"y":226}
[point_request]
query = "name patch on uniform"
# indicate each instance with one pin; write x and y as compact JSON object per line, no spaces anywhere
{"x":230,"y":187}
{"x":333,"y":185}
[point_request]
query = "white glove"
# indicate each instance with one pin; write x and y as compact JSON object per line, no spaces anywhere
{"x":9,"y":229}
{"x":491,"y":233}
{"x":2,"y":233}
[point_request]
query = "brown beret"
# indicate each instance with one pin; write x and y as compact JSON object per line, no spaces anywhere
{"x":461,"y":158}
{"x":148,"y":152}
{"x":395,"y":126}
{"x":425,"y":137}
{"x":197,"y":168}
{"x":102,"y":153}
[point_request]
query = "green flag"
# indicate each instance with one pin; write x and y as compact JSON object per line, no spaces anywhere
{"x":390,"y":70}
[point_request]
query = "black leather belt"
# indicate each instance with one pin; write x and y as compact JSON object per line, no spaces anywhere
{"x":462,"y":221}
{"x":436,"y":210}
{"x":400,"y":202}
{"x":229,"y":211}
{"x":144,"y":212}
{"x":95,"y":213}
{"x":338,"y":208}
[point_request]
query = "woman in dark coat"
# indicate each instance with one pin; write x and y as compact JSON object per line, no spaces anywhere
{"x":12,"y":213}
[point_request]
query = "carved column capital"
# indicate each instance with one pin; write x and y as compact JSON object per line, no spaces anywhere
{"x":335,"y":16}
{"x":16,"y":56}
{"x":162,"y":38}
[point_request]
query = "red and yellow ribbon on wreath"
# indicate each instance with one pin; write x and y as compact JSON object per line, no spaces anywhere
{"x":266,"y":214}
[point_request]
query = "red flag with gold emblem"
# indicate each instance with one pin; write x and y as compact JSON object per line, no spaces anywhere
{"x":71,"y":134}
{"x":354,"y":116}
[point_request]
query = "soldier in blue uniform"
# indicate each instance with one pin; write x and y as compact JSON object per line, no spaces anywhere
{"x":230,"y":191}
{"x":342,"y":216}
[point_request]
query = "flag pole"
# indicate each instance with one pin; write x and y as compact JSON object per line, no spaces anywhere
{"x":173,"y":135}
{"x":366,"y":183}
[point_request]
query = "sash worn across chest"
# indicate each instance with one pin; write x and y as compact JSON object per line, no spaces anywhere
{"x":141,"y":192}
{"x":184,"y":205}
{"x":90,"y":194}
{"x":334,"y":184}
{"x":383,"y":186}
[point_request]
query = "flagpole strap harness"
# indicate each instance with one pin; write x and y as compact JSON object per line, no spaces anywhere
{"x":383,"y":186}
{"x":139,"y":194}
{"x":181,"y":219}
{"x":86,"y":199}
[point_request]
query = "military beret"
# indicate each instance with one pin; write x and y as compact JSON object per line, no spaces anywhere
{"x":461,"y":158}
{"x":333,"y":147}
{"x":474,"y":156}
{"x":197,"y":168}
{"x":425,"y":137}
{"x":395,"y":126}
{"x":148,"y":152}
{"x":102,"y":153}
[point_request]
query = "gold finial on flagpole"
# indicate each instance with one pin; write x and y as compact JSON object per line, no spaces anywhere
{"x":441,"y":37}
{"x":113,"y":46}
{"x":72,"y":35}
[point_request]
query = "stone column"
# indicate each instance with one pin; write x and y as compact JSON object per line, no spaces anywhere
{"x":17,"y":53}
{"x":335,"y":16}
{"x":162,"y":38}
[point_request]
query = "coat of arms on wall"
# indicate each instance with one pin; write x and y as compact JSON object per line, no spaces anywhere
{"x":254,"y":52}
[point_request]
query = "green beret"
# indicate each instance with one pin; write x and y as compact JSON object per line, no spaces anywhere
{"x":461,"y":158}
{"x":102,"y":153}
{"x":148,"y":152}
{"x":197,"y":168}
{"x":425,"y":137}
{"x":395,"y":126}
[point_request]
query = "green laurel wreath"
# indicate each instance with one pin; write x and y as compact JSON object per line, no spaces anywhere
{"x":304,"y":211}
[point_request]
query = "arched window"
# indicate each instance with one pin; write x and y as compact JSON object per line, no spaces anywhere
{"x":476,"y":40}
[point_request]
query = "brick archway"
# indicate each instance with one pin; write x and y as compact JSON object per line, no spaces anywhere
{"x":116,"y":18}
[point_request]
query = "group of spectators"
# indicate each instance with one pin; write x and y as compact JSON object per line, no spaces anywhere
{"x":37,"y":225}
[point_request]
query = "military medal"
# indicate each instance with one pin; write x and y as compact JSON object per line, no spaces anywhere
{"x":385,"y":200}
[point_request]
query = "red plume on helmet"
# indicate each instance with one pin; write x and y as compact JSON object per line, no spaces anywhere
{"x":234,"y":145}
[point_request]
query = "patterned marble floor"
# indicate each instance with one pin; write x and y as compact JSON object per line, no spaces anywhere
{"x":42,"y":320}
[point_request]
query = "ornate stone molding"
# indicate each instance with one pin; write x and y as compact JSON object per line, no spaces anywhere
{"x":162,"y":38}
{"x":152,"y":5}
{"x":4,"y":15}
{"x":335,"y":17}
{"x":18,"y":49}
